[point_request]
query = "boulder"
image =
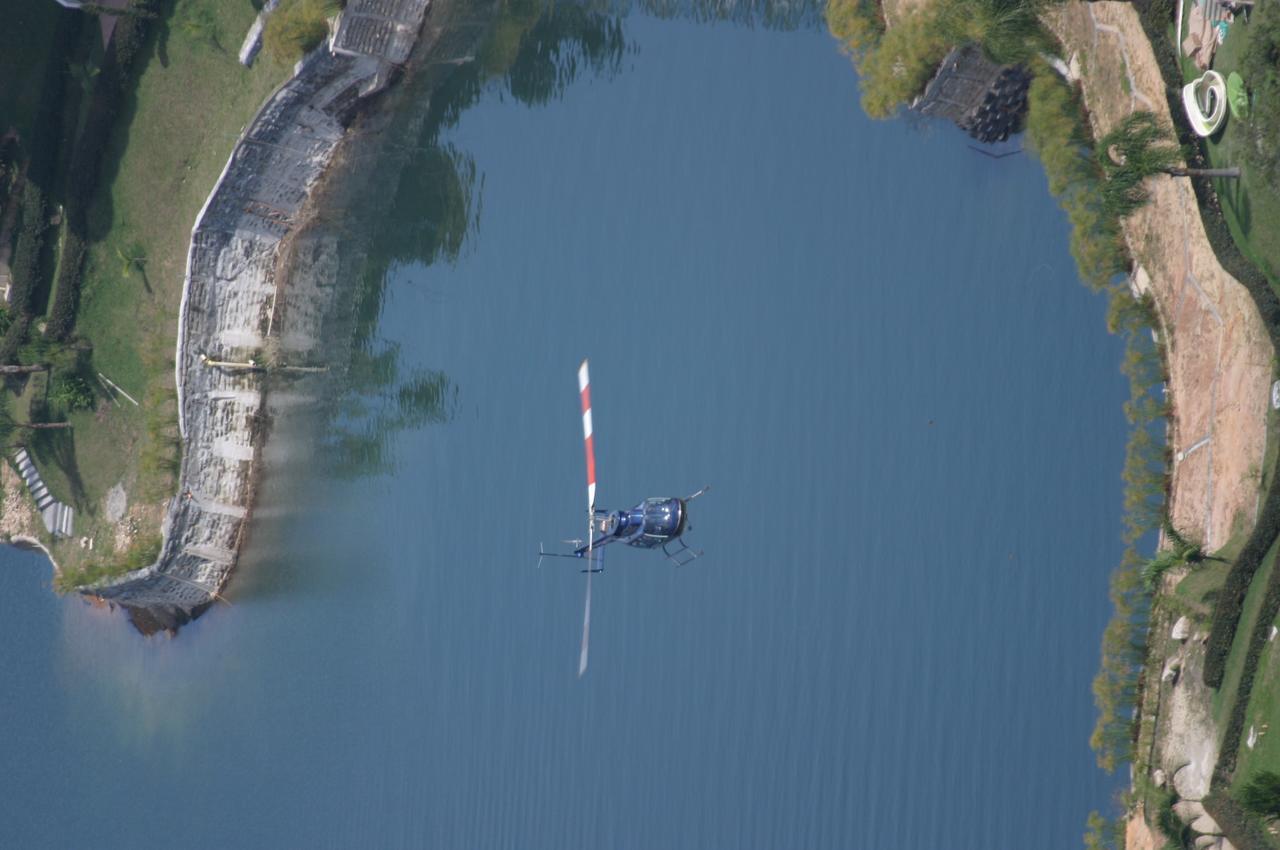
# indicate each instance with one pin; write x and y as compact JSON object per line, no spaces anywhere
{"x":1207,"y":842}
{"x":1190,"y":783}
{"x":1171,"y":668}
{"x":1206,"y":825}
{"x":1181,"y":629}
{"x":1224,"y":844}
{"x":1158,"y":778}
{"x":1188,"y":810}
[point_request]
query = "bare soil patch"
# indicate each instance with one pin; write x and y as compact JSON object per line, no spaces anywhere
{"x":1138,"y":835}
{"x":1219,"y":353}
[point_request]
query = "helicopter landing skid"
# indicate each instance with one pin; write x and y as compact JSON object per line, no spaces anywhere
{"x":682,"y":555}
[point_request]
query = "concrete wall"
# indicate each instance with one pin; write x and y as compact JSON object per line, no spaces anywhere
{"x":240,"y":247}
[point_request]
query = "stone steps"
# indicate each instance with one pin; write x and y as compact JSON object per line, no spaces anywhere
{"x":58,"y":518}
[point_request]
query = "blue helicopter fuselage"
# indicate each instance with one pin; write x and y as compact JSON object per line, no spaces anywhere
{"x":649,"y":524}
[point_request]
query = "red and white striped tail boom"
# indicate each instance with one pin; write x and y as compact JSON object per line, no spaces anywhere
{"x":584,"y":391}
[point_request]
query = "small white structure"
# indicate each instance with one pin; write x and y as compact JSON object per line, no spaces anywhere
{"x":1205,"y":102}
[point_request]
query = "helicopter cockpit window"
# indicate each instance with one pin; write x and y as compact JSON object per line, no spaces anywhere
{"x":661,"y":516}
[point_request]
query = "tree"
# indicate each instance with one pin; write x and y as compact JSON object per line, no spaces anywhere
{"x":131,"y":258}
{"x":1009,"y":31}
{"x":1261,"y":795}
{"x":905,"y":60}
{"x":1181,"y":552}
{"x":857,"y":24}
{"x":71,"y":392}
{"x":1135,"y":150}
{"x":1102,"y":834}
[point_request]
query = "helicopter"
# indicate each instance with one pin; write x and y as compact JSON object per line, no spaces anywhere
{"x":655,"y":523}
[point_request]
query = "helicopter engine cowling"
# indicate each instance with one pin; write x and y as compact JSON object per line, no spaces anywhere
{"x":653,"y":522}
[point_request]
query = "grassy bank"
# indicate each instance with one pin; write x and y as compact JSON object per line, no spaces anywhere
{"x":1251,"y":204}
{"x":175,"y":128}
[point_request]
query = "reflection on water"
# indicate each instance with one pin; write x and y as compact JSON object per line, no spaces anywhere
{"x":533,"y":51}
{"x":375,"y":403}
{"x":860,"y":335}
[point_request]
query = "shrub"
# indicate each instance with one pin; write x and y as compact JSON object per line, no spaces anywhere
{"x":1227,"y":611}
{"x":1008,"y":30}
{"x":71,"y":392}
{"x":1240,"y":828}
{"x":857,"y":24}
{"x":130,"y":34}
{"x":13,"y":338}
{"x":1260,"y":66}
{"x":296,"y":27}
{"x":62,"y":315}
{"x":26,"y":255}
{"x":905,"y":60}
{"x":1261,"y":795}
{"x":1057,"y":134}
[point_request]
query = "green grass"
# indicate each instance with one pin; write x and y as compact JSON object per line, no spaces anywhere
{"x":1198,"y":590}
{"x":1225,"y":696}
{"x":1264,"y":705}
{"x":171,"y":141}
{"x":1251,"y":207}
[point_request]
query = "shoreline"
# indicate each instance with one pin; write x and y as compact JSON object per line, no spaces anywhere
{"x":1220,"y":357}
{"x":239,"y":261}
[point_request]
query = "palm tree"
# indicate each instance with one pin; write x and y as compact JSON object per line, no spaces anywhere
{"x":1181,"y":552}
{"x":1136,"y":149}
{"x":133,"y":259}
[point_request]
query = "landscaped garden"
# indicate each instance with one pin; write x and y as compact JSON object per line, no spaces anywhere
{"x":1250,"y":204}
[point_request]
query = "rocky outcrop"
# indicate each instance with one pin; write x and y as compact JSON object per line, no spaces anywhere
{"x":227,"y":333}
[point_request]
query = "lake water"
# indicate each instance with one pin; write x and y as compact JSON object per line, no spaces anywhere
{"x":869,"y":339}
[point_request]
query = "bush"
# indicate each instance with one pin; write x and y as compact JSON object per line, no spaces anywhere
{"x":1239,"y":826}
{"x":296,"y":27}
{"x":1262,"y":794}
{"x":857,"y":24}
{"x":130,"y":35}
{"x":26,"y":255}
{"x":1008,"y":30}
{"x":1056,"y":132}
{"x":71,"y":392}
{"x":1227,"y":611}
{"x":903,"y":63}
{"x":13,"y":338}
{"x":62,"y":315}
{"x":1260,"y":66}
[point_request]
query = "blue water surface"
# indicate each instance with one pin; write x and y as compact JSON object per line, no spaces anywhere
{"x":870,"y":340}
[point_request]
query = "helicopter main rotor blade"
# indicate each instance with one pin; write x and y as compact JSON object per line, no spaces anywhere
{"x":586,"y":625}
{"x":584,"y":393}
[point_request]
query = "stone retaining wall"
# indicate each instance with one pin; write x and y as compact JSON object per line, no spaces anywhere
{"x":240,"y":244}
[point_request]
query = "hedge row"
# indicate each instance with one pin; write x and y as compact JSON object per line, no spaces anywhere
{"x":1230,"y":603}
{"x":62,"y":315}
{"x":1241,"y":828}
{"x":86,"y":162}
{"x":25,"y":267}
{"x":13,"y":339}
{"x":1156,"y":16}
{"x":1257,"y":643}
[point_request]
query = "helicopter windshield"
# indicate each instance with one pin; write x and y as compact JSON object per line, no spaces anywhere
{"x":662,"y":517}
